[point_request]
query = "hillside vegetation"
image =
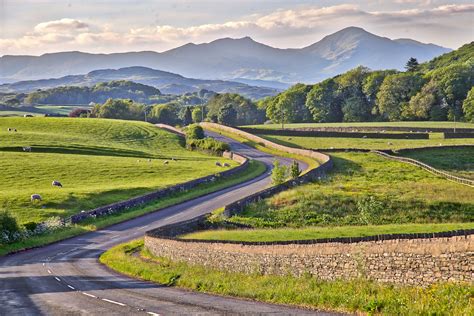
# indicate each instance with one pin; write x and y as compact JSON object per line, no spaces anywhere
{"x":97,"y":161}
{"x":437,"y":90}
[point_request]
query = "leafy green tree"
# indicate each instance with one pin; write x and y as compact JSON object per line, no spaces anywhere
{"x":119,"y":109}
{"x":371,"y":85}
{"x":395,"y":92}
{"x":246,"y":111}
{"x":295,"y":170}
{"x":194,"y":131}
{"x":468,"y":106}
{"x":186,"y":116}
{"x":279,"y":173}
{"x":197,"y":114}
{"x":227,"y":115}
{"x":288,"y":106}
{"x":165,"y":114}
{"x":323,"y":102}
{"x":412,"y":64}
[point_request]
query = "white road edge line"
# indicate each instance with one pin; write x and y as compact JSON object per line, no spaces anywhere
{"x":113,"y":302}
{"x":90,"y":295}
{"x":154,"y":314}
{"x":71,"y":287}
{"x":57,"y":279}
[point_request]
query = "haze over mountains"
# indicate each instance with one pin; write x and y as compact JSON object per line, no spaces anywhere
{"x":166,"y":82}
{"x":243,"y":59}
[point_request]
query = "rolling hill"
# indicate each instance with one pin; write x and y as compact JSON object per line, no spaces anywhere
{"x":166,"y":82}
{"x":239,"y":59}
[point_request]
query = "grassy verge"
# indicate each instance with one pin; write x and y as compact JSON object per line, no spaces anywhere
{"x":348,"y":296}
{"x":254,"y":169}
{"x":283,"y":234}
{"x":364,"y":143}
{"x":310,"y":162}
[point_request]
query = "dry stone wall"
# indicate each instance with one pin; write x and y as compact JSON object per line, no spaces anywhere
{"x":401,"y":261}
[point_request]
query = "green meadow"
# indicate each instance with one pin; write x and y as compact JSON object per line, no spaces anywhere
{"x":97,"y":161}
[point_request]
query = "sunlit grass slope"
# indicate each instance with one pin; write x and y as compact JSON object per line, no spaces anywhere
{"x":97,"y":161}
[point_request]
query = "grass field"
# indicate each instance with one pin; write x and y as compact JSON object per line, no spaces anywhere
{"x":97,"y":161}
{"x":458,"y":161}
{"x":254,"y":169}
{"x":41,"y":110}
{"x":365,"y":188}
{"x":365,"y":143}
{"x":285,"y":234}
{"x":356,"y":296}
{"x":425,"y":124}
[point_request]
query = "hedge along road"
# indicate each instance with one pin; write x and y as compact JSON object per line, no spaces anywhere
{"x":66,"y":277}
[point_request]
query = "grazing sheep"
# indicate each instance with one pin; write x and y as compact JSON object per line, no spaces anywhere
{"x":9,"y":129}
{"x":27,"y":149}
{"x":389,"y":143}
{"x":166,"y":162}
{"x":56,"y":184}
{"x":15,"y":130}
{"x":173,"y":159}
{"x":365,"y":136}
{"x":149,"y":160}
{"x":226,"y":165}
{"x":35,"y":197}
{"x":138,"y":160}
{"x":218,"y":164}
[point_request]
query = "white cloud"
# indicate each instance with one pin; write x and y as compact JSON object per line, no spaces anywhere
{"x":289,"y":26}
{"x":61,"y":26}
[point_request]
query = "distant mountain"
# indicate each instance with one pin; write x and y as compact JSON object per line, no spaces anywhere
{"x":166,"y":82}
{"x":242,"y":59}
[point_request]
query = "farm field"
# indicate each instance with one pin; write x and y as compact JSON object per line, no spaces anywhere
{"x":365,"y":143}
{"x":425,"y":124}
{"x":97,"y":161}
{"x":365,"y":188}
{"x":458,"y":161}
{"x":41,"y":110}
{"x":315,"y":232}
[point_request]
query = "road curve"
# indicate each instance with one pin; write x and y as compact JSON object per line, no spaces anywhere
{"x":65,"y":278}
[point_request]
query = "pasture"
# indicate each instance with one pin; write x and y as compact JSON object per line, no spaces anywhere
{"x":97,"y":161}
{"x":458,"y":161}
{"x":425,"y":124}
{"x":365,"y":188}
{"x":435,"y":140}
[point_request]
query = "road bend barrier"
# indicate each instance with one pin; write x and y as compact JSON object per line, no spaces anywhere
{"x":326,"y":164}
{"x":426,"y":167}
{"x":162,"y":193}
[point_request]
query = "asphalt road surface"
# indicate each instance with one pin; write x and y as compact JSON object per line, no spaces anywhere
{"x":65,"y":278}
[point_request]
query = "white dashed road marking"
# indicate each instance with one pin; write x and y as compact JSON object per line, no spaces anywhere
{"x":49,"y":271}
{"x":154,"y":314}
{"x":90,"y":295}
{"x":113,"y":302}
{"x":71,"y":287}
{"x":57,"y":279}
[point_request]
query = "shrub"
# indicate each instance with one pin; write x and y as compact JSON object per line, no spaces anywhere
{"x":207,"y":144}
{"x":295,"y":170}
{"x":279,"y":173}
{"x":9,"y":229}
{"x":30,"y":226}
{"x":370,"y":210}
{"x":194,"y":131}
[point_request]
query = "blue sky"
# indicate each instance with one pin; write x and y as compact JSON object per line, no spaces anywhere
{"x":42,"y":26}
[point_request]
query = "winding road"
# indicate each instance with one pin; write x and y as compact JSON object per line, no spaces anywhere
{"x":65,"y":278}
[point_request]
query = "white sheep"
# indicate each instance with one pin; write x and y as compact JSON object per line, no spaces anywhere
{"x":56,"y":184}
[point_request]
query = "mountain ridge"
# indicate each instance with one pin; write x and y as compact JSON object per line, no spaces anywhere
{"x":229,"y":58}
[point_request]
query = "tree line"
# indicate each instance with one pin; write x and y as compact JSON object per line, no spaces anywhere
{"x":441,"y":89}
